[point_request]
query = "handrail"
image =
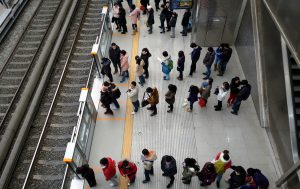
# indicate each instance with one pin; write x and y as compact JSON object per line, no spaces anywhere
{"x":288,"y":174}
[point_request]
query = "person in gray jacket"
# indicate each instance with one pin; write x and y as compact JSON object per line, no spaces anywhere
{"x":170,"y":96}
{"x":169,"y":167}
{"x":133,"y":93}
{"x":148,"y":157}
{"x":208,"y":61}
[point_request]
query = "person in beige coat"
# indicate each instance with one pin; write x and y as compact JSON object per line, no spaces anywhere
{"x":140,"y":70}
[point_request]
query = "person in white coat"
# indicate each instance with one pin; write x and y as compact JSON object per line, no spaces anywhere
{"x":133,"y":93}
{"x":221,"y":95}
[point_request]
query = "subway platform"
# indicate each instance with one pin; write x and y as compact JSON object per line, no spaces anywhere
{"x":200,"y":134}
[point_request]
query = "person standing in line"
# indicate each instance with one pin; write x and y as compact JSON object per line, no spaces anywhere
{"x":167,"y":65}
{"x":148,"y":157}
{"x":208,"y":61}
{"x":115,"y":18}
{"x":208,"y":174}
{"x":122,"y":19}
{"x":226,"y":55}
{"x":205,"y":90}
{"x":145,"y":55}
{"x":185,"y":21}
{"x":114,"y":56}
{"x":190,"y":169}
{"x":105,"y":98}
{"x":109,"y":170}
{"x":172,"y":23}
{"x":223,"y":91}
{"x":128,"y":170}
{"x":170,"y":96}
{"x":219,"y":52}
{"x":134,"y":16}
{"x":140,"y":70}
{"x":162,"y":18}
{"x":133,"y":93}
{"x":222,"y":162}
{"x":195,"y":55}
{"x":243,"y":95}
{"x":115,"y":93}
{"x":106,"y":70}
{"x":87,"y":173}
{"x":153,"y":99}
{"x":157,"y":5}
{"x":234,"y":90}
{"x":169,"y":168}
{"x":193,"y":96}
{"x":180,"y":65}
{"x":168,"y":17}
{"x":145,"y":3}
{"x":124,"y":65}
{"x":150,"y":20}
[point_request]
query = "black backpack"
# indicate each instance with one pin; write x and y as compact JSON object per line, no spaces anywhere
{"x":247,"y":93}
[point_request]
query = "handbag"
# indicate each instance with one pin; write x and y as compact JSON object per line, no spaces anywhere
{"x":202,"y":102}
{"x":144,"y":101}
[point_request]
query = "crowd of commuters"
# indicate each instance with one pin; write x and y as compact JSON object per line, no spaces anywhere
{"x":237,"y":91}
{"x":211,"y":171}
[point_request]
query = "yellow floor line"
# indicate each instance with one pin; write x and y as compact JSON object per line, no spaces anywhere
{"x":127,"y":138}
{"x":110,"y":118}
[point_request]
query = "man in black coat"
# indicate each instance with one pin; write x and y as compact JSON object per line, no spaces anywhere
{"x":226,"y":55}
{"x":87,"y":173}
{"x":106,"y":70}
{"x":241,"y":96}
{"x":185,"y":21}
{"x":114,"y":56}
{"x":168,"y":166}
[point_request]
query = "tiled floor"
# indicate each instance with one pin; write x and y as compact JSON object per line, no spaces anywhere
{"x":200,"y":134}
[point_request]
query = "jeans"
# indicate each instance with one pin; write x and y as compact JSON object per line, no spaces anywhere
{"x":208,"y":70}
{"x":124,"y":75}
{"x":114,"y":180}
{"x":162,"y":25}
{"x":223,"y":67}
{"x":129,"y":3}
{"x":154,"y":108}
{"x":191,"y":105}
{"x":218,"y":180}
{"x":148,"y":173}
{"x":134,"y":27}
{"x":115,"y":103}
{"x":172,"y":179}
{"x":167,"y":76}
{"x":142,"y":80}
{"x":172,"y":32}
{"x":236,"y":105}
{"x":184,"y":30}
{"x":150,"y":28}
{"x":136,"y":105}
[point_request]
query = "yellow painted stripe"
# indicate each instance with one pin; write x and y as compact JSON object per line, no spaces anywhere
{"x":110,"y":118}
{"x":85,"y":89}
{"x":127,"y":138}
{"x":122,"y":84}
{"x":68,"y":160}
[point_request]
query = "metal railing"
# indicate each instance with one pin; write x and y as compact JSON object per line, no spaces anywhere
{"x":288,"y":174}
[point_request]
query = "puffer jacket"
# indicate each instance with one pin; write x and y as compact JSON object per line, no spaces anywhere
{"x":110,"y":170}
{"x":170,"y":97}
{"x":140,"y":68}
{"x":124,"y":62}
{"x":154,"y":97}
{"x":171,"y":169}
{"x":222,"y":94}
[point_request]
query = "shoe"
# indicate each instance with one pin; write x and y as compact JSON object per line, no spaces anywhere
{"x":184,"y":35}
{"x":168,"y":30}
{"x":188,"y":110}
{"x":218,"y":109}
{"x":169,"y":185}
{"x":219,"y":74}
{"x":149,"y":32}
{"x":204,"y":73}
{"x":164,"y":174}
{"x":119,"y":30}
{"x":132,"y":113}
{"x":153,"y":114}
{"x":123,"y":32}
{"x":109,"y":112}
{"x":215,"y":106}
{"x":146,"y":181}
{"x":162,"y":32}
{"x":115,"y":108}
{"x":233,"y":112}
{"x":169,"y":111}
{"x":181,"y":32}
{"x":205,"y":78}
{"x":149,"y":108}
{"x":159,"y":26}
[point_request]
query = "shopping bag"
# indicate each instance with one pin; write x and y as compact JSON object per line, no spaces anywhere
{"x":201,"y":102}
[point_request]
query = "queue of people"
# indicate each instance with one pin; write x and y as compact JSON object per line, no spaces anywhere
{"x":212,"y":171}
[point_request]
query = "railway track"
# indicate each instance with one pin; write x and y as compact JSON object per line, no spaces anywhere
{"x":40,"y":164}
{"x":21,"y":61}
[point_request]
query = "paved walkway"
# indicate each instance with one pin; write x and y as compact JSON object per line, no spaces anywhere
{"x":200,"y":134}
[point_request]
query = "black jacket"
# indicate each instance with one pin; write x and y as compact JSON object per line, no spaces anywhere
{"x":145,"y":3}
{"x":122,"y":16}
{"x":244,"y":92}
{"x":163,"y":15}
{"x":145,"y":58}
{"x":150,"y":19}
{"x":173,"y":21}
{"x":234,"y":87}
{"x":209,"y":58}
{"x":105,"y":66}
{"x":171,"y":169}
{"x":114,"y":54}
{"x":186,"y":18}
{"x":106,"y":98}
{"x":180,"y":63}
{"x":226,"y":55}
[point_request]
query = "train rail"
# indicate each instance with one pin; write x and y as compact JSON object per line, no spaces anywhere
{"x":40,"y":164}
{"x":15,"y":71}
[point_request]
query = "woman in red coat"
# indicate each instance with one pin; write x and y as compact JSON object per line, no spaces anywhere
{"x":109,"y":170}
{"x":128,"y":169}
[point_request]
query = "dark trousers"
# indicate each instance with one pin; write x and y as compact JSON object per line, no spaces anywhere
{"x":184,"y":30}
{"x":236,"y":105}
{"x":162,"y":25}
{"x":142,"y":80}
{"x":146,"y":72}
{"x":223,"y":65}
{"x":150,"y":28}
{"x":136,"y":105}
{"x":193,"y":67}
{"x":191,"y":105}
{"x":168,"y":23}
{"x":156,"y":6}
{"x":181,"y":74}
{"x":172,"y":179}
{"x":108,"y":109}
{"x":110,"y":77}
{"x":148,"y":173}
{"x":116,"y":103}
{"x":171,"y":106}
{"x":124,"y":27}
{"x":219,"y":106}
{"x":134,"y":27}
{"x":117,"y":65}
{"x":154,"y":108}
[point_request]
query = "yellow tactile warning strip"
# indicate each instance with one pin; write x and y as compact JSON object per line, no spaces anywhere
{"x":127,"y":138}
{"x":110,"y":118}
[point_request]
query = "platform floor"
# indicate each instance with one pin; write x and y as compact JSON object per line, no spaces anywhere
{"x":200,"y":134}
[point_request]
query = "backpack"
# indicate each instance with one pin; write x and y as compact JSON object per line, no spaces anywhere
{"x":248,"y":92}
{"x":117,"y":93}
{"x":170,"y":64}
